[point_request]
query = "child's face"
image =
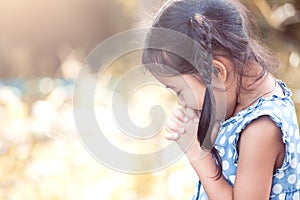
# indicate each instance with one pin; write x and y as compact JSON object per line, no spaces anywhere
{"x":190,"y":90}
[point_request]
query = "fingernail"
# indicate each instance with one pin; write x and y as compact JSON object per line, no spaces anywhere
{"x":175,"y":136}
{"x":172,"y":124}
{"x":177,"y":112}
{"x":189,"y":111}
{"x":168,"y":135}
{"x":172,"y":136}
{"x":185,"y":119}
{"x":181,"y":130}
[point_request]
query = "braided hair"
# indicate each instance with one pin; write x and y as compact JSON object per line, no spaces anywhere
{"x":201,"y":31}
{"x":219,"y":27}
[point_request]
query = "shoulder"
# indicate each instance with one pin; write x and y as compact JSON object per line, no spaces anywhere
{"x":261,"y":130}
{"x":260,"y":147}
{"x":264,"y":138}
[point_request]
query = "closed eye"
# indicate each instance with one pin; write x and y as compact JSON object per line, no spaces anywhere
{"x":172,"y":88}
{"x":178,"y":93}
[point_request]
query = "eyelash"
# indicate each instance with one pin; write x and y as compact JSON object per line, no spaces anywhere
{"x":177,"y":93}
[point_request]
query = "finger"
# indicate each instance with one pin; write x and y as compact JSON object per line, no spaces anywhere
{"x":192,"y":114}
{"x":171,"y":136}
{"x":172,"y":126}
{"x":180,"y":115}
{"x":175,"y":125}
{"x":196,"y":120}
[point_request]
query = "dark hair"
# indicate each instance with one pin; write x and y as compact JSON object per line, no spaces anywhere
{"x":220,"y":27}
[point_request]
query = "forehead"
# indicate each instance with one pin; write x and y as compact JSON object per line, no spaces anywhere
{"x":170,"y":80}
{"x":183,"y":80}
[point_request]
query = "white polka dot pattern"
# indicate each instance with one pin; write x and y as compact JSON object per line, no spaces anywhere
{"x":225,"y":165}
{"x":280,"y":175}
{"x":292,"y":148}
{"x":294,"y":163}
{"x":286,"y":112}
{"x":292,"y":179}
{"x":296,"y":196}
{"x":286,"y":180}
{"x":222,"y":141}
{"x":232,"y":178}
{"x":298,"y":184}
{"x":291,"y":131}
{"x":277,"y":188}
{"x":277,"y":112}
{"x":222,"y":152}
{"x":281,"y":196}
{"x":231,"y":139}
{"x":230,"y":153}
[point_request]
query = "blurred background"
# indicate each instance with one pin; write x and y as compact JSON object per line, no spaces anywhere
{"x":42,"y":47}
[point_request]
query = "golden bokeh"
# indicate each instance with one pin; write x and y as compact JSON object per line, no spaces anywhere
{"x":43,"y":45}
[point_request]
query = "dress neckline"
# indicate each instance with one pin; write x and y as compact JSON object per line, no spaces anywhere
{"x":286,"y":92}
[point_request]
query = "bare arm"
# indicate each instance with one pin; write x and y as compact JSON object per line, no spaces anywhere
{"x":259,"y":147}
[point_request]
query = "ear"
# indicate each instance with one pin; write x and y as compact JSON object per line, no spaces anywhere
{"x":220,"y":70}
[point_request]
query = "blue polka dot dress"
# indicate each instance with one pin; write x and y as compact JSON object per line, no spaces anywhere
{"x":286,"y":179}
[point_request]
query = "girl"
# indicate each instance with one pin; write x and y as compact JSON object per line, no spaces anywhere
{"x":251,"y":135}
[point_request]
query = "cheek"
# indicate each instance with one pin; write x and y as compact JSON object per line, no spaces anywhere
{"x":193,"y":99}
{"x":221,"y":104}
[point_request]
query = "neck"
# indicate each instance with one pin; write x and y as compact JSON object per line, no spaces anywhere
{"x":253,"y":90}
